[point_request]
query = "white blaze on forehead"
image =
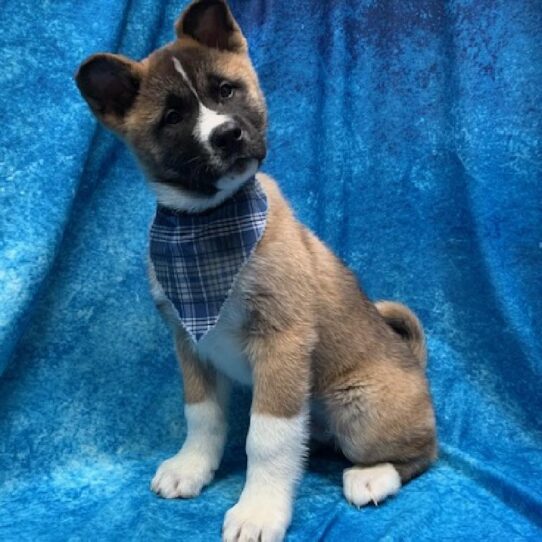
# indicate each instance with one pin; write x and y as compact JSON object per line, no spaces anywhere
{"x":208,"y":119}
{"x":179,"y":68}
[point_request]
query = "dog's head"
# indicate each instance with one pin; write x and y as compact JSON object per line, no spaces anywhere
{"x":192,"y":111}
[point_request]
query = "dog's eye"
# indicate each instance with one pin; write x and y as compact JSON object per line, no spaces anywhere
{"x":226,"y":90}
{"x":172,"y":117}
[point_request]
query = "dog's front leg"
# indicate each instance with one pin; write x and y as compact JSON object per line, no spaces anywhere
{"x":206,"y":396}
{"x":276,"y":441}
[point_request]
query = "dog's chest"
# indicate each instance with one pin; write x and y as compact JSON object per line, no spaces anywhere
{"x":222,"y":347}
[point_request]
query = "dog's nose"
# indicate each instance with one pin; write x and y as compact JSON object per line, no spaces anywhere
{"x":227,"y":136}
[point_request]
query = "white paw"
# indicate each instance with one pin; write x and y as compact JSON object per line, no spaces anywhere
{"x":256,"y":520}
{"x":182,"y":476}
{"x":362,"y":486}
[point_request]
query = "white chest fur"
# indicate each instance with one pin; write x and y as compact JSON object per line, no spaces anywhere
{"x":222,"y":346}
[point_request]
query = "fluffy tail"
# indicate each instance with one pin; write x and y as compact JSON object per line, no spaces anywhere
{"x":406,"y":324}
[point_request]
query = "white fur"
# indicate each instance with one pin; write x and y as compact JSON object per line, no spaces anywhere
{"x":181,"y":200}
{"x":373,"y":484}
{"x":221,"y":346}
{"x":208,"y":120}
{"x":157,"y":292}
{"x":179,"y":68}
{"x":166,"y":306}
{"x":185,"y":474}
{"x":275,"y":450}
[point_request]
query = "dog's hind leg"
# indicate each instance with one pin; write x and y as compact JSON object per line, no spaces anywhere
{"x":389,"y":436}
{"x":365,"y":485}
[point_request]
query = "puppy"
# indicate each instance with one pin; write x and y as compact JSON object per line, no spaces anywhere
{"x":277,"y":310}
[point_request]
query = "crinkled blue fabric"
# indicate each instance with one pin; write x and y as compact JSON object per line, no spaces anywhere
{"x":407,"y":134}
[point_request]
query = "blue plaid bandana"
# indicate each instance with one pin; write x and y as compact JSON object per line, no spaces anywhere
{"x":197,"y":257}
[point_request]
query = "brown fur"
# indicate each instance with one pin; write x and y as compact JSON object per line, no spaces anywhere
{"x":199,"y":379}
{"x":404,"y":322}
{"x":370,"y":380}
{"x":311,"y":331}
{"x":308,"y":329}
{"x":201,"y":23}
{"x":152,"y":80}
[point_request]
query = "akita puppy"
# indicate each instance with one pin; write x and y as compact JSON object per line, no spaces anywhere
{"x":253,"y":296}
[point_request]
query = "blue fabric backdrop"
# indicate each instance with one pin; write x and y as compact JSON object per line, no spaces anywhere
{"x":407,"y":134}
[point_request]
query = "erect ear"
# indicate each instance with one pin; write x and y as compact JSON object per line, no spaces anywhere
{"x":109,"y":83}
{"x":211,"y":23}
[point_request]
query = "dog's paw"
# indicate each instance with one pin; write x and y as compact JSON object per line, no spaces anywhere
{"x":373,"y":484}
{"x":256,"y":519}
{"x":183,"y":475}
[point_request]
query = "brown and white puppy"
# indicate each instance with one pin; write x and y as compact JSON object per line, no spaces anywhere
{"x":296,"y":327}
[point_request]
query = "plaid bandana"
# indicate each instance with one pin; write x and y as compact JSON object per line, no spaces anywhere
{"x":197,"y":257}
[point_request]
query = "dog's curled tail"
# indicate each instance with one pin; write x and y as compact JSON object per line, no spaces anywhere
{"x":406,"y":324}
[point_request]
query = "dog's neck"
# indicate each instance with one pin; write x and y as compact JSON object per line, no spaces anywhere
{"x":197,"y":256}
{"x":179,"y":199}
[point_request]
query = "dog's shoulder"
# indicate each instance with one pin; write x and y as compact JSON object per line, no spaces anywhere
{"x":286,"y":237}
{"x":276,"y":200}
{"x":285,"y":245}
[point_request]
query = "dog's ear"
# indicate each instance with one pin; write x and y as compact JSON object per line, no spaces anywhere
{"x":211,"y":23}
{"x":109,"y":83}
